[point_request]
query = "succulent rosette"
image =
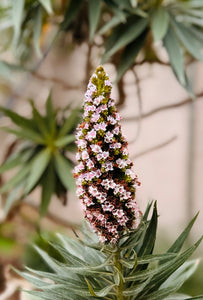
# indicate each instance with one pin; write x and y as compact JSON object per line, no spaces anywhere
{"x":106,"y":183}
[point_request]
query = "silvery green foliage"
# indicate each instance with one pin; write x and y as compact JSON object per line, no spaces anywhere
{"x":130,"y":270}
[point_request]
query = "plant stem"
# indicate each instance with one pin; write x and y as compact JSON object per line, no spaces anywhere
{"x":119,"y":269}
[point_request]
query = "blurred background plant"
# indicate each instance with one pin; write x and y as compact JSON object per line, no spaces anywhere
{"x":57,"y":44}
{"x":41,"y":151}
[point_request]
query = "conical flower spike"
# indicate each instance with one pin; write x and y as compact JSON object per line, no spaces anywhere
{"x":106,"y":183}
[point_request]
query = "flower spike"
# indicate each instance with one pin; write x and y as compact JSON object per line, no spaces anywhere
{"x":106,"y":183}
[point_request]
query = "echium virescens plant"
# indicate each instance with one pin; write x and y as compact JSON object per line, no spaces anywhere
{"x":113,"y":259}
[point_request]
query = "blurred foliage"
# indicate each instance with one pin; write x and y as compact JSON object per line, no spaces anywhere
{"x":42,"y":154}
{"x":44,"y":241}
{"x":126,"y":28}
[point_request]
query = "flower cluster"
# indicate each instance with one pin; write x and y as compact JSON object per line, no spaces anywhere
{"x":106,"y":183}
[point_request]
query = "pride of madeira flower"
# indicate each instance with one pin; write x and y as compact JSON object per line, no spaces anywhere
{"x":106,"y":183}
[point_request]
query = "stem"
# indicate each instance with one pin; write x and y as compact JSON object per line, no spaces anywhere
{"x":119,"y":267}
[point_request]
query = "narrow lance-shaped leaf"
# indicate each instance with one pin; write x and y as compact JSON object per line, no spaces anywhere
{"x":160,"y":277}
{"x":110,"y":24}
{"x":16,"y":179}
{"x":160,"y":22}
{"x":182,"y":274}
{"x":131,"y":32}
{"x":11,"y":163}
{"x":40,"y":121}
{"x":129,"y":55}
{"x":38,"y":165}
{"x":94,"y":14}
{"x":99,"y":293}
{"x":175,"y":54}
{"x":64,"y":171}
{"x":150,"y":236}
{"x":17,"y":119}
{"x":47,"y":5}
{"x":37,"y":31}
{"x":64,"y":140}
{"x":71,"y":12}
{"x":70,"y":122}
{"x":13,"y":197}
{"x":193,"y":45}
{"x":177,"y":245}
{"x":17,"y":16}
{"x":50,"y":116}
{"x":26,"y":134}
{"x":48,"y":186}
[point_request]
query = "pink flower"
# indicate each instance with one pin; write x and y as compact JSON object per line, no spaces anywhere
{"x":103,"y":126}
{"x":111,"y":120}
{"x":116,"y":130}
{"x":91,"y":135}
{"x":89,"y":163}
{"x":95,"y":117}
{"x":99,"y":156}
{"x":85,"y":155}
{"x":77,"y":156}
{"x":98,"y":100}
{"x":108,"y":83}
{"x":96,"y":148}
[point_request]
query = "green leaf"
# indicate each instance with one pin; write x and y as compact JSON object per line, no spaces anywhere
{"x":193,"y":4}
{"x":190,"y":20}
{"x":51,"y":262}
{"x":17,"y":17}
{"x":177,"y":297}
{"x":6,"y":69}
{"x":50,"y":116}
{"x":38,"y":166}
{"x":48,"y":187}
{"x":94,"y":10}
{"x":69,"y":258}
{"x":11,"y":163}
{"x":26,"y":134}
{"x":33,"y":279}
{"x":37,"y":31}
{"x":70,"y":122}
{"x":116,"y":10}
{"x":147,"y":211}
{"x":175,"y":54}
{"x":136,"y":290}
{"x":189,"y":40}
{"x":129,"y":55}
{"x":71,"y":12}
{"x":177,"y":245}
{"x":64,"y":140}
{"x":150,"y":236}
{"x":16,"y":179}
{"x":161,"y":294}
{"x":155,"y":257}
{"x":110,"y":24}
{"x":17,"y":119}
{"x":40,"y":121}
{"x":181,"y":275}
{"x":91,"y":290}
{"x":134,"y":3}
{"x":64,"y":171}
{"x":102,"y":293}
{"x":169,"y":268}
{"x":160,"y":23}
{"x":130,"y":33}
{"x":47,"y":5}
{"x":13,"y":197}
